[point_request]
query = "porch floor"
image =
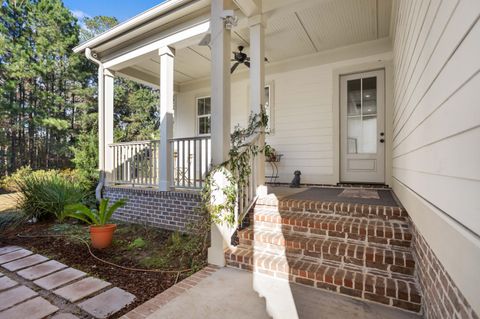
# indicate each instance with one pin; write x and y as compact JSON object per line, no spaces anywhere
{"x":355,"y":195}
{"x":230,"y":293}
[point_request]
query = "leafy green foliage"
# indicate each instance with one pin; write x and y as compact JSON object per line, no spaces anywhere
{"x":46,"y":196}
{"x":137,"y":243}
{"x":96,"y":217}
{"x":48,"y":94}
{"x":10,"y":220}
{"x":226,"y":179}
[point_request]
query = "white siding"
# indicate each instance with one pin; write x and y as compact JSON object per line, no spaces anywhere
{"x":436,"y":126}
{"x":303,"y":115}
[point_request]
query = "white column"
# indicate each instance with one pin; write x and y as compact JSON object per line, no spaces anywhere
{"x":105,"y":124}
{"x":257,"y":85}
{"x":220,"y":95}
{"x":167,"y":55}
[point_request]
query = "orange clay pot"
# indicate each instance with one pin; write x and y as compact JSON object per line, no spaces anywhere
{"x":101,"y":236}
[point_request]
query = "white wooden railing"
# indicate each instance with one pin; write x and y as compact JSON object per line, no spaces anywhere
{"x":135,"y":163}
{"x":191,"y":161}
{"x":247,"y":195}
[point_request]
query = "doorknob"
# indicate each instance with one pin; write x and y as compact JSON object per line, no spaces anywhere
{"x":382,"y":140}
{"x":382,"y":134}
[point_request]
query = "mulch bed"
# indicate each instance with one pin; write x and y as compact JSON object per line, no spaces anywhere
{"x":144,"y":285}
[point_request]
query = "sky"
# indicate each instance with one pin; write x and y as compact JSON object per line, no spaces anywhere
{"x":121,"y":9}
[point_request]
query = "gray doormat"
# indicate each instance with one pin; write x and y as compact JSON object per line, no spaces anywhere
{"x":347,"y":195}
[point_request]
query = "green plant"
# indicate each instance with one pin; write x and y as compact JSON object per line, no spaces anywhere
{"x":137,"y":243}
{"x":94,"y":217}
{"x":10,"y":220}
{"x":224,"y":180}
{"x":43,"y":196}
{"x":270,"y":152}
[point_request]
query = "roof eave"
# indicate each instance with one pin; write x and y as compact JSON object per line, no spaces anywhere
{"x":130,"y":24}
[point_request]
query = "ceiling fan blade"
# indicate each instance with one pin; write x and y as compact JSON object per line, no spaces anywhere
{"x":247,"y":63}
{"x":234,"y":67}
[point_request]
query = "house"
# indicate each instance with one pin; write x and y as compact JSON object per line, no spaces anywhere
{"x":357,"y":91}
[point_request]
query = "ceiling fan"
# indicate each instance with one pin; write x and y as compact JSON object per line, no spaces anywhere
{"x":240,"y":58}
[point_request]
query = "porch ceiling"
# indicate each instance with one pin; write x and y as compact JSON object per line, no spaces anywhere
{"x":291,"y":31}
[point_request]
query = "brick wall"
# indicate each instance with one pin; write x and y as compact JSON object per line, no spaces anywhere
{"x":441,"y":297}
{"x":168,"y":210}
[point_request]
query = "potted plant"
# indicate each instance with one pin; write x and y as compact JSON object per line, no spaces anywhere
{"x":270,"y":154}
{"x":101,"y":233}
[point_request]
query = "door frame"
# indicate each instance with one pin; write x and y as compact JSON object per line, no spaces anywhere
{"x":387,"y":66}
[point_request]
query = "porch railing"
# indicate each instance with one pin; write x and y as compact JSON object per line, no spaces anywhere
{"x":247,"y":195}
{"x":191,"y":161}
{"x":136,"y":163}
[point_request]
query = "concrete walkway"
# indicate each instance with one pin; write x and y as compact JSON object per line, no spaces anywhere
{"x":34,"y":287}
{"x":230,"y":293}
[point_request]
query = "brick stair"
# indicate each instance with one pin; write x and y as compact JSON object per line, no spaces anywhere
{"x":348,"y":250}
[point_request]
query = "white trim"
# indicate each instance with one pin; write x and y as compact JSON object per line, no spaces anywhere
{"x":271,"y":105}
{"x":197,"y":117}
{"x":131,"y":23}
{"x":177,"y":36}
{"x":380,"y":64}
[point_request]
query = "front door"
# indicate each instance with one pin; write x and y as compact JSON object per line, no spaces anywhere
{"x":362,"y":127}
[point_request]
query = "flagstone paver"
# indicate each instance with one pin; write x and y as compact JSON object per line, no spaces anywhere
{"x":20,"y":267}
{"x":107,"y":303}
{"x":8,"y":249}
{"x":33,"y":309}
{"x":16,"y":295}
{"x":14,"y":255}
{"x":59,"y":278}
{"x":41,"y":270}
{"x":64,"y":316}
{"x":6,"y":283}
{"x":24,"y":262}
{"x":81,"y":289}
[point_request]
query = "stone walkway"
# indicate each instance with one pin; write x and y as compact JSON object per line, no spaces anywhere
{"x":34,"y":287}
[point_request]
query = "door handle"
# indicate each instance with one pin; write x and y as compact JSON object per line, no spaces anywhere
{"x":382,"y":140}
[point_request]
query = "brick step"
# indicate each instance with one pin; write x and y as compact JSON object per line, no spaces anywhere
{"x":341,"y":227}
{"x":335,"y":208}
{"x":350,"y":253}
{"x":396,"y":291}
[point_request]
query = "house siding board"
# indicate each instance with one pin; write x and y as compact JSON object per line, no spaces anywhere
{"x":436,"y":129}
{"x":173,"y":210}
{"x":303,"y":115}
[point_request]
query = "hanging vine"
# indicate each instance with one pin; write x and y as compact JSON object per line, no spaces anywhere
{"x":223,"y":182}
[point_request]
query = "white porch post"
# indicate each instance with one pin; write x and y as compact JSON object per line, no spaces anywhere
{"x":105,"y":121}
{"x":166,"y":116}
{"x":257,"y":85}
{"x":220,"y":117}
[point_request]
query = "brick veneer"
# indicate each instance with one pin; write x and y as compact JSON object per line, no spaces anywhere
{"x":156,"y":303}
{"x":172,"y":210}
{"x":441,"y":297}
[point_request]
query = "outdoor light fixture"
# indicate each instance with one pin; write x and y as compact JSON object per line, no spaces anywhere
{"x":229,"y":19}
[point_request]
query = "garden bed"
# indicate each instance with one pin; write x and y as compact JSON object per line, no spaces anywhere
{"x":134,"y":246}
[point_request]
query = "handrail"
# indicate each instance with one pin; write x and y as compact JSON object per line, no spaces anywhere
{"x":247,"y":195}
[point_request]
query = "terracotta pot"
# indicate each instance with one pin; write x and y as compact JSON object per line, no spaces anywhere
{"x":101,"y":236}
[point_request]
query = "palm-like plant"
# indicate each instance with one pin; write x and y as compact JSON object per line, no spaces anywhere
{"x":94,"y":217}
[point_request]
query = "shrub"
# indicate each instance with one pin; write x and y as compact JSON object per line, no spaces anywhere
{"x":47,"y":195}
{"x":11,"y":183}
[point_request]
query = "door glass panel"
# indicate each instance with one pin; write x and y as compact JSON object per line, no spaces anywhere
{"x":362,"y":116}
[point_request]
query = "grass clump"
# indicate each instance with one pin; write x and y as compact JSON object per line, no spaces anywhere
{"x":44,"y":197}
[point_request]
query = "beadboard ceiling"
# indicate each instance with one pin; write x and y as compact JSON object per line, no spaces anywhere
{"x":321,"y":25}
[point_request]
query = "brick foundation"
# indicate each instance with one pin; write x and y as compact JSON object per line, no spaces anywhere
{"x":441,"y":297}
{"x":171,"y":210}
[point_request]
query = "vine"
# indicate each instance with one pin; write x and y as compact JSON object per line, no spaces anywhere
{"x":220,"y":191}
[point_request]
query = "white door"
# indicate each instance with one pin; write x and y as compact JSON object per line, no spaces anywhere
{"x":362,"y":127}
